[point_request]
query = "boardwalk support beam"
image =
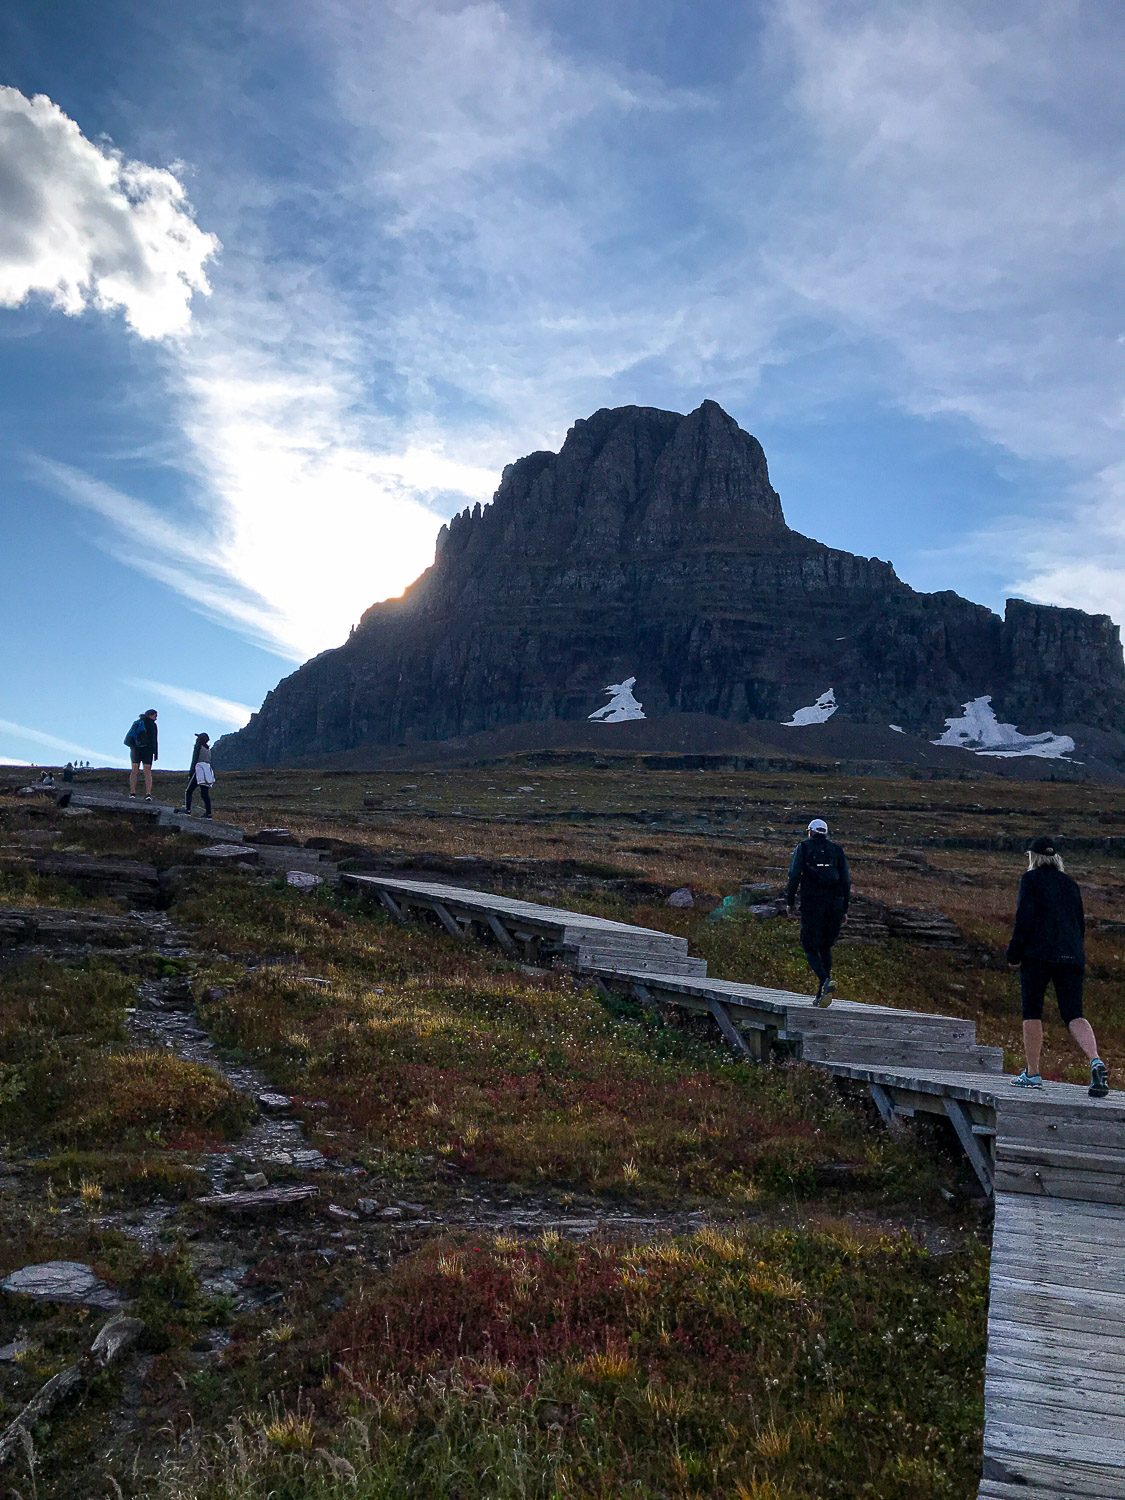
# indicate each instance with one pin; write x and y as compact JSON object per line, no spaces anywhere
{"x":447,"y":921}
{"x":962,"y":1123}
{"x":883,"y":1102}
{"x":392,"y":906}
{"x":729,"y":1029}
{"x":502,"y":935}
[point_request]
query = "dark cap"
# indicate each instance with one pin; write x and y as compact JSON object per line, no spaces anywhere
{"x":1042,"y":845}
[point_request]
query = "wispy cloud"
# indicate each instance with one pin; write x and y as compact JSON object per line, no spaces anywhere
{"x":509,"y":233}
{"x":83,"y":226}
{"x":207,"y":705}
{"x":962,"y":216}
{"x":6,"y":760}
{"x":52,"y":742}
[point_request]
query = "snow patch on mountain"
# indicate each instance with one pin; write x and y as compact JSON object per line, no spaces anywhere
{"x":898,"y":729}
{"x":979,"y":730}
{"x":622,"y":704}
{"x":816,"y":713}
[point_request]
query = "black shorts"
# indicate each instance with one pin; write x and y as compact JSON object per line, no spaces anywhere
{"x":139,"y":758}
{"x":1068,"y":980}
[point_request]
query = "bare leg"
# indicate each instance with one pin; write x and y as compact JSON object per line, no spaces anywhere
{"x":148,"y":781}
{"x":133,"y":780}
{"x":1083,"y":1034}
{"x":1033,"y":1044}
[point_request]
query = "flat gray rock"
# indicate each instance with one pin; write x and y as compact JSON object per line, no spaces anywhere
{"x":276,"y":1103}
{"x":62,"y":1281}
{"x":228,"y":854}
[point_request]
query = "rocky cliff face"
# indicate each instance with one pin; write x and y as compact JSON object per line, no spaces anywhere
{"x":653,"y":545}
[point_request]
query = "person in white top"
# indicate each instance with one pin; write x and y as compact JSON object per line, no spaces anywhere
{"x":200,"y":774}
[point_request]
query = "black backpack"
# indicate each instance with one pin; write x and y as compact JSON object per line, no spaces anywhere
{"x":822,"y":868}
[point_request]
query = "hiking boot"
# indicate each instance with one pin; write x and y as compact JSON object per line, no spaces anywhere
{"x":825,"y":992}
{"x":206,"y":816}
{"x":148,"y":799}
{"x":132,"y":796}
{"x":1028,"y":1080}
{"x":1099,"y":1079}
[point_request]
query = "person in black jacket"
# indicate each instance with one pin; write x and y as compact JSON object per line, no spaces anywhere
{"x":201,"y":779}
{"x":819,"y":870}
{"x":1048,"y":947}
{"x":142,"y":743}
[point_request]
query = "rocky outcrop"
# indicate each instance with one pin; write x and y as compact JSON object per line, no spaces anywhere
{"x":653,"y":545}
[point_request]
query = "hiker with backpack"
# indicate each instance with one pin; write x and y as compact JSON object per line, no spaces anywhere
{"x":1048,"y":948}
{"x":142,"y":743}
{"x":200,"y":774}
{"x":819,"y":870}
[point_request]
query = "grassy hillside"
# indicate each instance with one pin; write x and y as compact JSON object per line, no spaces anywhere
{"x":558,"y":1247}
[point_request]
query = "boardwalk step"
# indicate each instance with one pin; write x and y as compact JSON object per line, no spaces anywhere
{"x":1060,"y":1182}
{"x":1084,"y":1160}
{"x":958,"y":1056}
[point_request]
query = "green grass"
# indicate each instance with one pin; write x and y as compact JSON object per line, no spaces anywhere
{"x":422,"y":1046}
{"x":758,"y":1364}
{"x":67,"y":1076}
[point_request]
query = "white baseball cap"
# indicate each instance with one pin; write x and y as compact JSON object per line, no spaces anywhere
{"x":818,"y":825}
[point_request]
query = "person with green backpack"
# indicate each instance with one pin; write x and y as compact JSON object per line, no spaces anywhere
{"x":819,"y":871}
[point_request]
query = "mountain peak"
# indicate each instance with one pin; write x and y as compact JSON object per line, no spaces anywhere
{"x":653,"y":547}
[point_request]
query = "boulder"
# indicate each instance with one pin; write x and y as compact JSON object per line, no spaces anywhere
{"x":681,"y":897}
{"x":303,"y":880}
{"x":274,"y":837}
{"x":66,"y":1281}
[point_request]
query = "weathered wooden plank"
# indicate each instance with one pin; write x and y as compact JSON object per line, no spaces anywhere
{"x":1064,"y":1434}
{"x":1082,"y":1478}
{"x":1065,"y":1370}
{"x":1084,"y":1159}
{"x":1048,"y":1343}
{"x":1060,"y":1182}
{"x":1064,"y":1403}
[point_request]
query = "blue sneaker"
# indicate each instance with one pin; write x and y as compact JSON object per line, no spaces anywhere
{"x":1028,"y":1080}
{"x":1099,"y":1079}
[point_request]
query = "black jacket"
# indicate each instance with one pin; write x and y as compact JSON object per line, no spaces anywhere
{"x":142,"y":737}
{"x":1050,"y":924}
{"x":820,"y":868}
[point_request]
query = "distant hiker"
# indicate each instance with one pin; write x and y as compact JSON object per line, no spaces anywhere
{"x":819,"y":869}
{"x":68,"y":771}
{"x":200,"y":774}
{"x":141,"y":741}
{"x":1048,"y":947}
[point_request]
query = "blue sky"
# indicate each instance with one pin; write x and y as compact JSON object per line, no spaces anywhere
{"x":281,"y":286}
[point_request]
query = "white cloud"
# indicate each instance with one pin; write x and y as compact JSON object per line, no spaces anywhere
{"x":962,"y":214}
{"x":84,"y":226}
{"x":53,"y":742}
{"x":6,"y":760}
{"x":223,"y":710}
{"x":494,"y":255}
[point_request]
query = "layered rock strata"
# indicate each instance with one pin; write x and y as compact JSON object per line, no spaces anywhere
{"x":653,"y":545}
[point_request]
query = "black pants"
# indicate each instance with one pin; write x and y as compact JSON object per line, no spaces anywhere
{"x":204,"y":792}
{"x":1036,"y":975}
{"x":820,"y":927}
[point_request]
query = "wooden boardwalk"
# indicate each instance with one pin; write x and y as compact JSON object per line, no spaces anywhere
{"x":1053,"y":1160}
